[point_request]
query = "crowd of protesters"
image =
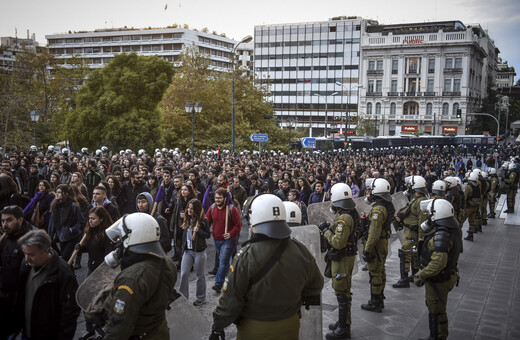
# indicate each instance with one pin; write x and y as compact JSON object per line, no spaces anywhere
{"x":75,"y":196}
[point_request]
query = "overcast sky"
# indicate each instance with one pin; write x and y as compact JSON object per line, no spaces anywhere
{"x":237,"y":18}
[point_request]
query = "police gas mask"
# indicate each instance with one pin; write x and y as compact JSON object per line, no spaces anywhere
{"x":408,"y":182}
{"x":118,"y":234}
{"x":369,"y":185}
{"x":428,"y":207}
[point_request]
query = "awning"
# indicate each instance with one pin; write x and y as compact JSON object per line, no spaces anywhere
{"x":515,"y":124}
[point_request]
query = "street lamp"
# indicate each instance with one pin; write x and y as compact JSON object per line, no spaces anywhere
{"x":245,"y":40}
{"x":326,"y":110}
{"x":193,"y":108}
{"x":35,"y":116}
{"x":347,"y":127}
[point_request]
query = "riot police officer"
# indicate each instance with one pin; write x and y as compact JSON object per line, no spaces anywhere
{"x":293,"y":214}
{"x":376,"y":248}
{"x":473,"y":200}
{"x":411,"y":219}
{"x":269,"y":279}
{"x":342,"y":238}
{"x":493,"y":191}
{"x":136,"y":305}
{"x":439,"y":256}
{"x":512,"y":187}
{"x":439,"y":189}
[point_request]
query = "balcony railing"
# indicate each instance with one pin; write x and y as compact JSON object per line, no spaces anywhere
{"x":374,"y":94}
{"x":453,"y":70}
{"x":450,"y":94}
{"x":409,"y":94}
{"x":429,"y":94}
{"x":393,"y":94}
{"x":374,"y":72}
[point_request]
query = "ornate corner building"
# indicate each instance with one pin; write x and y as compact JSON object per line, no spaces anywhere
{"x":424,"y":78}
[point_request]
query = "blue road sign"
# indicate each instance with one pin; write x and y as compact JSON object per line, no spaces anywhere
{"x":309,"y":143}
{"x":262,"y":137}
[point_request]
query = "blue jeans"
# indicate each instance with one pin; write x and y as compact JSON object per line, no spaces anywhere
{"x":225,"y":250}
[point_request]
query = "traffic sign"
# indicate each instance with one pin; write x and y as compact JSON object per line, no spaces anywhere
{"x":261,"y":137}
{"x":309,"y":142}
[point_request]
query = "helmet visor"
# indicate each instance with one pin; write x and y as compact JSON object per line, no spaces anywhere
{"x":424,"y":206}
{"x":408,"y":180}
{"x":369,"y":182}
{"x":115,"y":232}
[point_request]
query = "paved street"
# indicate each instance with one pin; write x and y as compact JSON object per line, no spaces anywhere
{"x":485,"y":305}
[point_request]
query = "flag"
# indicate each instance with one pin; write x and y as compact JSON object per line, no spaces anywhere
{"x":205,"y":199}
{"x":327,"y":185}
{"x":229,"y":201}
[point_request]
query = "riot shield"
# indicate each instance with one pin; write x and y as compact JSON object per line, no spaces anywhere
{"x":311,"y":320}
{"x":184,"y":320}
{"x":399,"y":201}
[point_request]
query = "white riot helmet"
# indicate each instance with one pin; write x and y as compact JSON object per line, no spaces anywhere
{"x":267,"y":216}
{"x":511,"y":166}
{"x":128,"y":151}
{"x":478,"y":172}
{"x":33,"y":148}
{"x":50,"y":148}
{"x":65,"y":150}
{"x":439,"y":211}
{"x":451,"y":181}
{"x":505,"y":165}
{"x":84,"y":150}
{"x":416,"y":183}
{"x":484,"y":174}
{"x":439,"y":188}
{"x":104,"y":149}
{"x":98,"y":152}
{"x":473,"y":177}
{"x":293,"y":214}
{"x":378,"y":187}
{"x":137,"y":232}
{"x":341,"y":196}
{"x":459,"y":181}
{"x":492,"y":171}
{"x":121,"y":152}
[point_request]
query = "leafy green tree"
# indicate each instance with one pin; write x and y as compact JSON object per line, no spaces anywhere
{"x":196,"y":81}
{"x":364,"y":127}
{"x":118,"y":105}
{"x":38,"y":82}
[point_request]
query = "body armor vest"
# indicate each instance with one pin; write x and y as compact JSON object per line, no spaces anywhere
{"x":455,"y":236}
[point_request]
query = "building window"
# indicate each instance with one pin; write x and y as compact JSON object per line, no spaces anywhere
{"x":371,"y":65}
{"x":370,"y":86}
{"x":393,"y":87}
{"x":410,"y":108}
{"x":447,"y":85}
{"x":431,"y":65}
{"x":395,"y":66}
{"x":449,"y":63}
{"x":379,"y":65}
{"x":393,"y":109}
{"x":458,"y":62}
{"x":378,"y":108}
{"x":429,"y":109}
{"x":414,"y":65}
{"x":369,"y":108}
{"x":429,"y":85}
{"x":445,"y":109}
{"x":455,"y":109}
{"x":379,"y":86}
{"x":456,"y":85}
{"x":391,"y":130}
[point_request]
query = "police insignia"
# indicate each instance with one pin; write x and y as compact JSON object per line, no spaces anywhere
{"x":375,"y":217}
{"x":224,"y":287}
{"x":119,"y":307}
{"x":339,"y":228}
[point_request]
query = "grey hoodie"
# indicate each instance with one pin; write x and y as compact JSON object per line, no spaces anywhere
{"x":165,"y":233}
{"x":149,"y":198}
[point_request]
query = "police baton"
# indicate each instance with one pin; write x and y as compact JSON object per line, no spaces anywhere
{"x":4,"y":235}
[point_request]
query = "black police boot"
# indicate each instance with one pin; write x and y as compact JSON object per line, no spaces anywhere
{"x":403,"y":282}
{"x":469,"y":237}
{"x":374,"y":304}
{"x":484,"y":222}
{"x":491,"y":215}
{"x":342,"y":331}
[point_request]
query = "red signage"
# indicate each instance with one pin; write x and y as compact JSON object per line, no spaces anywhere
{"x":409,"y":128}
{"x":449,"y":129}
{"x":412,"y":41}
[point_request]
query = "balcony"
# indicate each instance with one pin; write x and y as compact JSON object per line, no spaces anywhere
{"x":412,"y":71}
{"x":409,"y":94}
{"x":375,"y":72}
{"x":392,"y":94}
{"x":431,"y":70}
{"x":374,"y":94}
{"x":450,"y":94}
{"x":429,"y":94}
{"x":453,"y":70}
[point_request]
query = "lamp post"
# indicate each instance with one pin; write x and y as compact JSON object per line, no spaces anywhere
{"x":245,"y":40}
{"x":326,"y":110}
{"x":290,"y":123}
{"x":35,"y":116}
{"x":347,"y":127}
{"x":193,"y":108}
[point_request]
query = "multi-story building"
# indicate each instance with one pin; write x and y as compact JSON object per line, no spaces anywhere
{"x":100,"y":46}
{"x":505,"y":75}
{"x":312,"y":69}
{"x":426,"y":77}
{"x":11,"y":46}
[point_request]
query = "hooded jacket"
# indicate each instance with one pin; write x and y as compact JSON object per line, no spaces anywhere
{"x":165,"y":239}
